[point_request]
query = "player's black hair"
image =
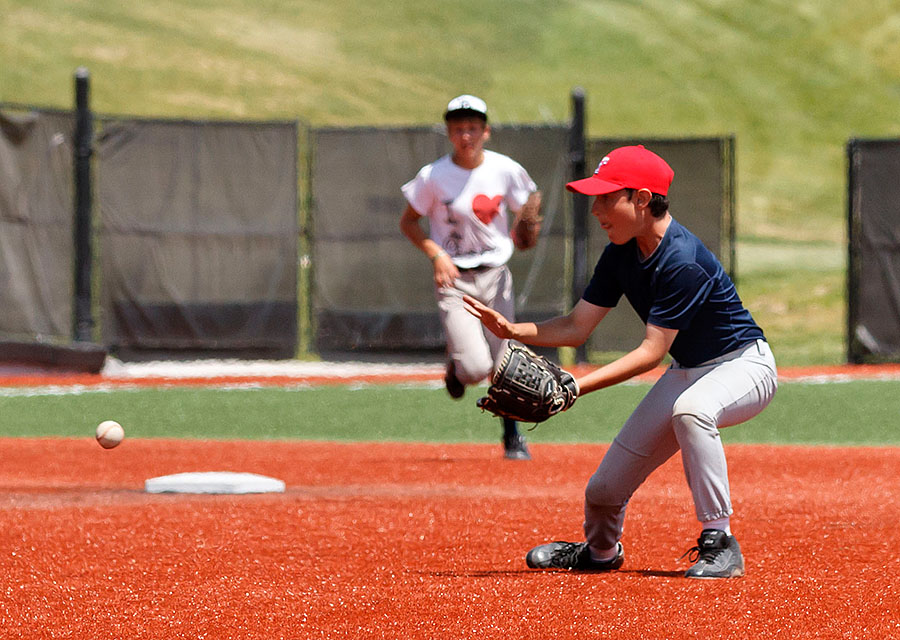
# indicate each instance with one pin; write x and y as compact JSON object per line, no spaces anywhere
{"x":658,"y":205}
{"x":460,"y":114}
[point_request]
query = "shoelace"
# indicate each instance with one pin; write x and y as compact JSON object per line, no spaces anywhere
{"x":707,"y":555}
{"x":566,"y":557}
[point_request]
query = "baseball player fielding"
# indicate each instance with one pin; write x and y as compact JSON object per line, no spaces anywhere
{"x":723,"y":372}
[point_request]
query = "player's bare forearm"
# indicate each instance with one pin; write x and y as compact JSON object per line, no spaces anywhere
{"x":563,"y":331}
{"x":527,"y":226}
{"x":646,"y":356}
{"x":570,"y":330}
{"x":628,"y":366}
{"x":409,"y":225}
{"x":445,"y":271}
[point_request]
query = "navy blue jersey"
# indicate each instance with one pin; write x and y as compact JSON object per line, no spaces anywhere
{"x":681,"y":286}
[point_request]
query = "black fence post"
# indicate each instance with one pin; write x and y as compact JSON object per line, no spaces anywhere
{"x":83,"y":320}
{"x":580,"y":206}
{"x":854,"y":352}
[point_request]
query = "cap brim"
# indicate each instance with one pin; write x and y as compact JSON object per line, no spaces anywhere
{"x":465,"y":113}
{"x":593,"y":186}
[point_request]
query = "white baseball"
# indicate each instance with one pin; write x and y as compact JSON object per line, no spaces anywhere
{"x":109,"y":434}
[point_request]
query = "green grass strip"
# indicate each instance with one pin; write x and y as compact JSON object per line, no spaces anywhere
{"x":851,"y":413}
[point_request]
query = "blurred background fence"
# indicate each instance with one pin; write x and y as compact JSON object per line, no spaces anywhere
{"x":197,"y":237}
{"x":273,"y":239}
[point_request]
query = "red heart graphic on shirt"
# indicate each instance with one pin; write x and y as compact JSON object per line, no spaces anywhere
{"x":486,"y":209}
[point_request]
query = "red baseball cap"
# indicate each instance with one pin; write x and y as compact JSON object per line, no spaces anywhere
{"x":627,"y":168}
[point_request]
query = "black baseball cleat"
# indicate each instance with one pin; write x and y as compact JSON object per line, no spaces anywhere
{"x":575,"y":556}
{"x":514,"y":447}
{"x":717,"y":555}
{"x":455,"y":388}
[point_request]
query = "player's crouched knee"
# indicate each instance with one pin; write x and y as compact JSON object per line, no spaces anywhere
{"x":692,"y":421}
{"x":689,"y":411}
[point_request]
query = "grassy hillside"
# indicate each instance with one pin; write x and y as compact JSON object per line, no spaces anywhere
{"x":792,"y":80}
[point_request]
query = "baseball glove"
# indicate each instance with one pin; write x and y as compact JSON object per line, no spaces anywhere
{"x":527,"y":226}
{"x":528,"y":387}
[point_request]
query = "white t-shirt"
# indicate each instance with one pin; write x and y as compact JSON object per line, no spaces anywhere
{"x":468,"y":210}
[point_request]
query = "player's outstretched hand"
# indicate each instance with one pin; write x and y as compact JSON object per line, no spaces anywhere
{"x":495,"y":322}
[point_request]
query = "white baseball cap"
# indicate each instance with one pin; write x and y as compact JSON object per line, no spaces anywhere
{"x":466,"y":103}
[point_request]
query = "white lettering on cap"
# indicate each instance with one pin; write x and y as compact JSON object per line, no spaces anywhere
{"x":602,"y":162}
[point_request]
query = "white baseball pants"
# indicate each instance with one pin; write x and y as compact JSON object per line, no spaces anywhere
{"x":473,"y":349}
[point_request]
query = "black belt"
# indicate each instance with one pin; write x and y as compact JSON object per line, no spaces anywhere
{"x":478,"y":269}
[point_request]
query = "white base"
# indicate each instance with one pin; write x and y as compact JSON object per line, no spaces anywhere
{"x":214,"y":482}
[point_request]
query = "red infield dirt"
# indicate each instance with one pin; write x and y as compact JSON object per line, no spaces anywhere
{"x":386,"y":540}
{"x":428,"y":541}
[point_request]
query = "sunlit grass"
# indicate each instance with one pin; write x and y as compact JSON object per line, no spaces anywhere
{"x":838,"y":413}
{"x":797,"y":293}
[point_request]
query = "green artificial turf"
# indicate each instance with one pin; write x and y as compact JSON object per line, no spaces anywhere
{"x":850,"y":413}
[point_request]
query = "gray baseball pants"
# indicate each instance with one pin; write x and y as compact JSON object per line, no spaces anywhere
{"x":684,"y":410}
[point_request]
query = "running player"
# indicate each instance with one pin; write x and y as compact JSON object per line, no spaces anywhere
{"x":723,"y":372}
{"x":467,"y":197}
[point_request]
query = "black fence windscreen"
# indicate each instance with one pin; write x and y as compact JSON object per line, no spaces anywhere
{"x":199,"y":231}
{"x":36,"y":245}
{"x":873,"y":284}
{"x":197,"y":234}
